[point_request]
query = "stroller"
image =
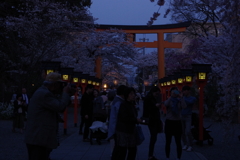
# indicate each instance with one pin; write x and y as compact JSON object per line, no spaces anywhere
{"x":195,"y":131}
{"x":98,"y":131}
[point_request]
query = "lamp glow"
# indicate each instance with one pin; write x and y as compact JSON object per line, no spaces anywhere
{"x":49,"y":71}
{"x":75,"y":80}
{"x":115,"y":82}
{"x":201,"y":75}
{"x":65,"y":77}
{"x":89,"y":82}
{"x":83,"y":80}
{"x":180,"y":80}
{"x":105,"y":86}
{"x":173,"y":81}
{"x":188,"y":79}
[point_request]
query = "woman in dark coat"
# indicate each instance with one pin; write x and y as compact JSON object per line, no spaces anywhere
{"x":151,"y":106}
{"x":18,"y":112}
{"x":125,"y":140}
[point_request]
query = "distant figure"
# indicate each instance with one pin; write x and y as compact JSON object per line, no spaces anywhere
{"x":25,"y":98}
{"x":43,"y":114}
{"x":99,"y":110}
{"x":18,"y":118}
{"x":111,"y":95}
{"x":138,"y":97}
{"x":86,"y":112}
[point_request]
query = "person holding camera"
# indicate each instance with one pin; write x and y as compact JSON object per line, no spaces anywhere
{"x":43,"y":113}
{"x":173,"y":124}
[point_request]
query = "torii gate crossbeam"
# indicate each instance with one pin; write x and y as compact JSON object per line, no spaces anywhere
{"x":144,"y":29}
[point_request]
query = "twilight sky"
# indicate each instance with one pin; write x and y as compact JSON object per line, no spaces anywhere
{"x":126,"y":12}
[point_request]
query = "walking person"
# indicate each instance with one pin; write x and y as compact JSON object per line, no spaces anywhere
{"x":25,"y":98}
{"x":151,"y":111}
{"x":87,"y":111}
{"x":115,"y":105}
{"x":125,"y":137}
{"x":43,"y":112}
{"x":173,"y":124}
{"x":18,"y":119}
{"x":111,"y":95}
{"x":99,"y":110}
{"x":190,"y":101}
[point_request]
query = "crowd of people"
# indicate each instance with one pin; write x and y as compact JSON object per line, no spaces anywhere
{"x":123,"y":118}
{"x":117,"y":107}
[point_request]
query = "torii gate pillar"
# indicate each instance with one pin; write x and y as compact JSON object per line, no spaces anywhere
{"x":161,"y":57}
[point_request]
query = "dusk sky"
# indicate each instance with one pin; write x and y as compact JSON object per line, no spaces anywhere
{"x":126,"y":12}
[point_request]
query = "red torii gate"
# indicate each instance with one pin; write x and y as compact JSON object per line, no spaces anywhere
{"x":144,"y":29}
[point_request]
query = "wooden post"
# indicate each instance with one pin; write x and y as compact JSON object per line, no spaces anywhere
{"x":98,"y":67}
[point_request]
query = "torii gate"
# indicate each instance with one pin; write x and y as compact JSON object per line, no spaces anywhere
{"x":160,"y":44}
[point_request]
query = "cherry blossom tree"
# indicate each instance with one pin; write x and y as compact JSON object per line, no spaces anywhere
{"x":113,"y":47}
{"x":155,"y":15}
{"x":40,"y":30}
{"x":223,"y":53}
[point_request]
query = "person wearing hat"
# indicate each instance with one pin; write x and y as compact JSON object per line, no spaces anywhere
{"x":43,"y":113}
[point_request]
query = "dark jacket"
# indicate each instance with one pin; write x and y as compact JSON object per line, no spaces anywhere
{"x":150,"y":110}
{"x":42,"y":123}
{"x":127,"y":118}
{"x":87,"y":105}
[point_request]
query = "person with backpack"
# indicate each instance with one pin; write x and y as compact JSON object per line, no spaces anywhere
{"x":151,"y":113}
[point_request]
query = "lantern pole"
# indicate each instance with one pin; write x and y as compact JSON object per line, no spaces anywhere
{"x":188,"y":76}
{"x":201,"y":70}
{"x":76,"y":80}
{"x":84,"y":82}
